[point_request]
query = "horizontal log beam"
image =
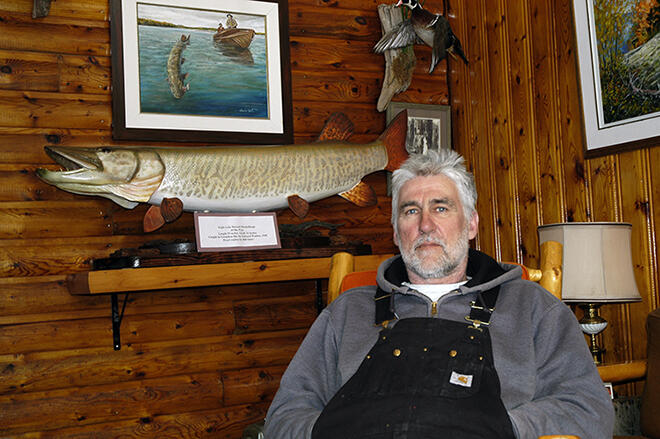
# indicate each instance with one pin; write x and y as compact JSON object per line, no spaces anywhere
{"x":619,"y":372}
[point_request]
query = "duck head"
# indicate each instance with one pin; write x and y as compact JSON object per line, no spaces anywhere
{"x":411,"y":4}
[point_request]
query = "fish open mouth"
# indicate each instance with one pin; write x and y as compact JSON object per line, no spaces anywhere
{"x":73,"y":159}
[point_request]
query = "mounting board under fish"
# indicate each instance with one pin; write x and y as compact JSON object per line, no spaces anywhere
{"x":231,"y":178}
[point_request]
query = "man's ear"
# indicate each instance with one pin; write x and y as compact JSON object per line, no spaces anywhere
{"x":395,"y":237}
{"x":473,"y":227}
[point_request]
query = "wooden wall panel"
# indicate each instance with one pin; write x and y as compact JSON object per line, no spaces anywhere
{"x":198,"y":362}
{"x":529,"y":106}
{"x":499,"y":101}
{"x":515,"y":117}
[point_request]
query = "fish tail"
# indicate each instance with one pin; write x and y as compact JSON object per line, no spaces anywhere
{"x":394,"y":139}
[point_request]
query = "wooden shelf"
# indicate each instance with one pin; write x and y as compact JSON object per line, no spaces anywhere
{"x":128,"y":280}
{"x":186,"y":276}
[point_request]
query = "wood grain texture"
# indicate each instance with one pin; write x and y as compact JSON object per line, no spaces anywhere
{"x":205,"y":361}
{"x":25,"y":372}
{"x":524,"y":111}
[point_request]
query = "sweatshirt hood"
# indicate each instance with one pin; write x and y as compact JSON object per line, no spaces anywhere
{"x":484,"y":273}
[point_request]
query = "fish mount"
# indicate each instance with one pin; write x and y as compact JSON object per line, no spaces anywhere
{"x":231,"y":179}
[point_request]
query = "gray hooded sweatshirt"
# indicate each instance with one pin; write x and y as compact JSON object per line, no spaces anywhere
{"x":549,"y":383}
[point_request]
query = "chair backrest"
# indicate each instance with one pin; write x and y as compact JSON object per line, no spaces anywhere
{"x":348,"y":271}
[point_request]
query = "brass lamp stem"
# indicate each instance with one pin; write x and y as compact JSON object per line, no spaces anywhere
{"x":592,"y":324}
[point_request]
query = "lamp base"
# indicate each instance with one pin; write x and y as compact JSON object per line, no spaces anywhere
{"x":593,"y":324}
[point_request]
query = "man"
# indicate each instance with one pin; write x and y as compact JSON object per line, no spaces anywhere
{"x":231,"y":22}
{"x":451,"y":344}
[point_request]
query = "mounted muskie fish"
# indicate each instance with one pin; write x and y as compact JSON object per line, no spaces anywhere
{"x":232,"y":178}
{"x":174,"y":61}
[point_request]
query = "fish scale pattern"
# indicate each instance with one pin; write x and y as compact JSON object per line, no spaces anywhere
{"x":247,"y":178}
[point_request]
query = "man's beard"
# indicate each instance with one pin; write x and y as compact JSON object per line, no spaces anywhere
{"x":443,"y":264}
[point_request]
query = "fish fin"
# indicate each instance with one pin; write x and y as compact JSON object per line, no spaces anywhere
{"x":361,"y":195}
{"x":338,"y":127}
{"x":298,"y":206}
{"x":394,"y":138}
{"x":171,"y":209}
{"x":153,"y":219}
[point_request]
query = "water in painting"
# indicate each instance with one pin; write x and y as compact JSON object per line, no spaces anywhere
{"x":221,"y":80}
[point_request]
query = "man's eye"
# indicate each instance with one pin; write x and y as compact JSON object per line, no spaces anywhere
{"x":441,"y":209}
{"x":410,"y":212}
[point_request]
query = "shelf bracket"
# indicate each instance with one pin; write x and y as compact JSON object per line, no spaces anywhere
{"x":116,"y":319}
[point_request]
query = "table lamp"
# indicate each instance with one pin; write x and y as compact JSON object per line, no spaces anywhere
{"x":597,"y":268}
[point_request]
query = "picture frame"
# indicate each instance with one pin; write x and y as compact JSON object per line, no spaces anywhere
{"x":181,"y":71}
{"x":429,"y":126}
{"x":618,"y":113}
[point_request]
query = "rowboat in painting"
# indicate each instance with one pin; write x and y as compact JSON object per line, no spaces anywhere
{"x":235,"y":37}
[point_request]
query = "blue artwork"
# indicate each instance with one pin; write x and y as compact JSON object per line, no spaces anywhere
{"x":205,"y":63}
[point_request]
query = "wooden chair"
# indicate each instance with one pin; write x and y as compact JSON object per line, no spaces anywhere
{"x":348,"y":271}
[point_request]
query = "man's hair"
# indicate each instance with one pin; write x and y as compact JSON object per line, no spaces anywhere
{"x":445,"y":162}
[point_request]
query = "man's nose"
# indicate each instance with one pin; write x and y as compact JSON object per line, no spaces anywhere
{"x":426,"y":225}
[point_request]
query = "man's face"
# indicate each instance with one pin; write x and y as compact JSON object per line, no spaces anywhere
{"x":432,"y":232}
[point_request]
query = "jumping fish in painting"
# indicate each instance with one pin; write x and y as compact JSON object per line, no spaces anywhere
{"x":231,"y":178}
{"x":174,"y":62}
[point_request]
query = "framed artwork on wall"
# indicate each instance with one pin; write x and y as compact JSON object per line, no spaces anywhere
{"x":429,"y":126}
{"x":201,"y":71}
{"x":618,"y":73}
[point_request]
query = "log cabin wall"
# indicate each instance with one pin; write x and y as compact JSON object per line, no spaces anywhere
{"x":200,"y":362}
{"x":205,"y":362}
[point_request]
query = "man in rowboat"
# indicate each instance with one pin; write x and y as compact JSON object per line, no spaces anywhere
{"x":231,"y":22}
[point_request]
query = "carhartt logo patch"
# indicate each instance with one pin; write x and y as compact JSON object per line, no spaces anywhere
{"x":460,"y":380}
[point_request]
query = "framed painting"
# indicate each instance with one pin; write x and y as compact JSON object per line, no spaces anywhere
{"x":617,"y":45}
{"x":201,"y":71}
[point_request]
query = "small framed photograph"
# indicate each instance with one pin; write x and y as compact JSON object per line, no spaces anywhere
{"x":201,"y":71}
{"x":429,"y":126}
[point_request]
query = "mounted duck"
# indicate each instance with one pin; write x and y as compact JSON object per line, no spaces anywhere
{"x":423,"y":27}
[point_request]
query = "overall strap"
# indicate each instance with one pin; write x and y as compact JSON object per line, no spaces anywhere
{"x":482,"y":308}
{"x":384,"y":311}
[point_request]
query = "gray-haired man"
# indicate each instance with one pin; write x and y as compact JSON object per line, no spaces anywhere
{"x":451,"y":344}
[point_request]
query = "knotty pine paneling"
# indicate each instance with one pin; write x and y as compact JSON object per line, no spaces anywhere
{"x":201,"y":362}
{"x":517,"y":118}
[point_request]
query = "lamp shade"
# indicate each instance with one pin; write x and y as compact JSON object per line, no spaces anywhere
{"x":596,"y":261}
